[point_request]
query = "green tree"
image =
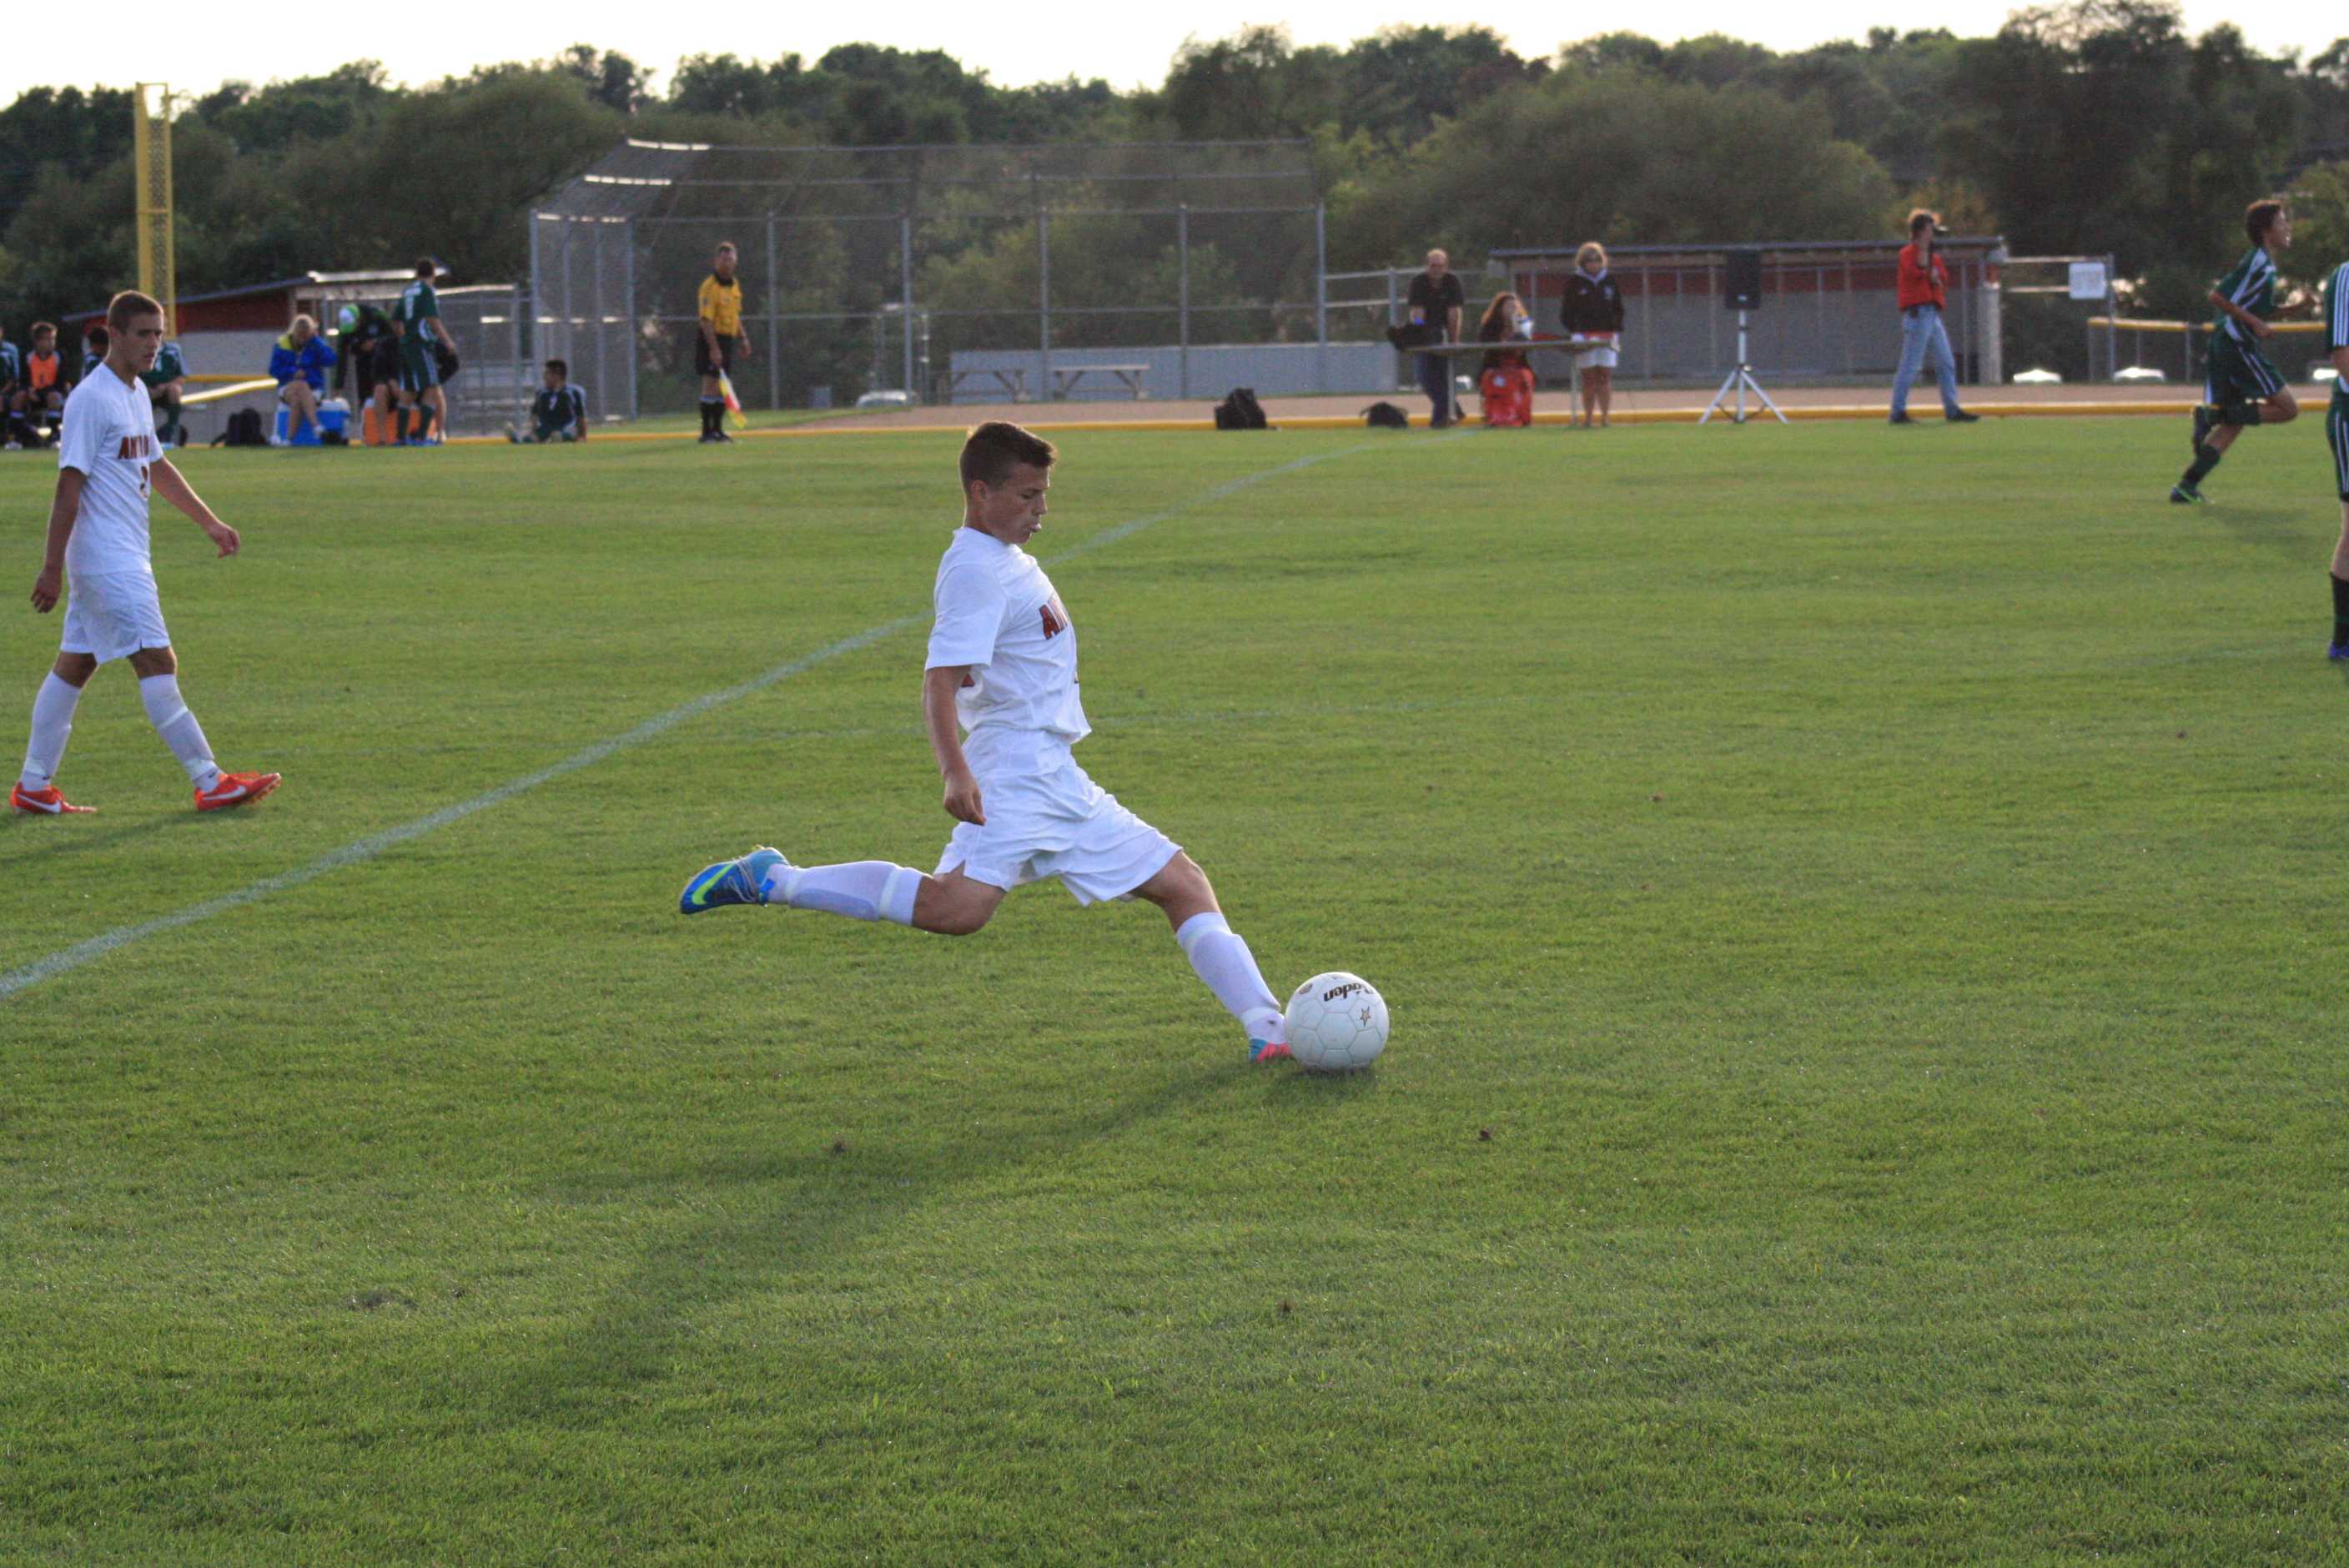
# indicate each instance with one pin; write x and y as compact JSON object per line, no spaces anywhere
{"x":1618,"y":156}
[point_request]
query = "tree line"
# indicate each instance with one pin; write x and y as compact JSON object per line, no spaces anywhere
{"x":2089,"y":127}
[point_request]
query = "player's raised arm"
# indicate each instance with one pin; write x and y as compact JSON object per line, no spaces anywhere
{"x":173,"y":487}
{"x":63,"y":510}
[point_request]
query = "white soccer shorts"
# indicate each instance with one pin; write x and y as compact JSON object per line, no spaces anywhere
{"x":1051,"y":821}
{"x":112,"y":615}
{"x":1595,"y":358}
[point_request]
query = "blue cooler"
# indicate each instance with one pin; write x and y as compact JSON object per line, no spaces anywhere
{"x":309,"y":436}
{"x":335,"y":418}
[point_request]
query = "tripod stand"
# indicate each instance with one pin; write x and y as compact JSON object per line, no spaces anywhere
{"x":1740,"y":380}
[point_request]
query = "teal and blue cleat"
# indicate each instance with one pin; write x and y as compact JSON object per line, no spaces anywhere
{"x":742,"y":881}
{"x":1269,"y":1051}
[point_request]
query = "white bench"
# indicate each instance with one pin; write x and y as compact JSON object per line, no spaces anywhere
{"x":1066,"y":376}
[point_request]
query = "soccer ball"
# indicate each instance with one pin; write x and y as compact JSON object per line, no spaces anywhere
{"x":1337,"y":1022}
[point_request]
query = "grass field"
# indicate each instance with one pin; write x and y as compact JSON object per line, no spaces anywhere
{"x":1861,"y":911}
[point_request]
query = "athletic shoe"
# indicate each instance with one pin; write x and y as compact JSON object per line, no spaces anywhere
{"x":2202,"y":425}
{"x":1269,"y":1051}
{"x":2184,"y":496}
{"x":1900,"y":419}
{"x":742,"y":880}
{"x":235,"y":790}
{"x":721,"y":438}
{"x":2338,"y":651}
{"x":1962,"y":417}
{"x":43,"y":802}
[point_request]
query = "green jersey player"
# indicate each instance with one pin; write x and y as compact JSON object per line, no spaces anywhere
{"x":417,"y":319}
{"x":2337,"y":431}
{"x":2241,"y":387}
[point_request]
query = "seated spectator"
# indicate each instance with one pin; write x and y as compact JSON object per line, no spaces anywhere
{"x":300,"y":363}
{"x":164,"y":381}
{"x":559,"y":412}
{"x":11,"y":379}
{"x":39,"y":405}
{"x":1506,"y":380}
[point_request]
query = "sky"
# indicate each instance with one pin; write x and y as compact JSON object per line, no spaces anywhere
{"x":1045,"y":40}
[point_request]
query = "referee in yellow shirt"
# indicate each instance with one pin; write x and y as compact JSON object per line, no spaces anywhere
{"x":719,"y":340}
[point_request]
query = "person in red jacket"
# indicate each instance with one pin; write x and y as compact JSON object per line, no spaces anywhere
{"x":1924,"y":294}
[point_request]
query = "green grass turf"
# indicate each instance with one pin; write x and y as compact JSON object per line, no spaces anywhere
{"x":1860,"y":909}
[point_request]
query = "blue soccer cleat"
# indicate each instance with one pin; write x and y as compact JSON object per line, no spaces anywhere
{"x":1269,"y":1051}
{"x":2338,"y":652}
{"x":739,"y":881}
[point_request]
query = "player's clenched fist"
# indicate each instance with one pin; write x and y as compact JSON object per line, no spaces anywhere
{"x":962,"y":801}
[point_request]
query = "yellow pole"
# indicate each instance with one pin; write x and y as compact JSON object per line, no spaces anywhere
{"x":151,"y":157}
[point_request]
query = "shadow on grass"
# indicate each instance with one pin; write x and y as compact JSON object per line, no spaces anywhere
{"x":825,"y":1201}
{"x":2270,"y":528}
{"x":78,"y":836}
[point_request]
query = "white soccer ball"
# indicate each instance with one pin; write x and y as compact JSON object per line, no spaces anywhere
{"x":1337,"y":1022}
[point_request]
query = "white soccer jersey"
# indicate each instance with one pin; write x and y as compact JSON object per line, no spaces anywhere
{"x":996,"y":613}
{"x":109,"y":435}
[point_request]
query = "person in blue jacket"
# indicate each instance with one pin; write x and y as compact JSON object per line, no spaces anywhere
{"x":299,"y":362}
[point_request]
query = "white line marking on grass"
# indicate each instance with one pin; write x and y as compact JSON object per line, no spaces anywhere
{"x":373,"y":845}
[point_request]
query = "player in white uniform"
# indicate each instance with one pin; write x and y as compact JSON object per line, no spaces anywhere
{"x":999,"y":697}
{"x":107,"y":460}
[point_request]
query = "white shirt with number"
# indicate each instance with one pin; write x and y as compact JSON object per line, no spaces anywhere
{"x":998,"y":612}
{"x":109,"y":435}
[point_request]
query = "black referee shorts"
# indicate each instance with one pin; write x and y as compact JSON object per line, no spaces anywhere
{"x":705,"y":364}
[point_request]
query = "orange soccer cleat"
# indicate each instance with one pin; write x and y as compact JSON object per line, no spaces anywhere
{"x":43,"y":802}
{"x":235,"y":790}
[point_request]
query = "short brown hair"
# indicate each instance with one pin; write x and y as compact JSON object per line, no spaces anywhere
{"x":45,"y":329}
{"x":995,"y":447}
{"x":426,"y":267}
{"x":1920,"y":217}
{"x":127,"y":306}
{"x":726,"y":248}
{"x":2259,"y":217}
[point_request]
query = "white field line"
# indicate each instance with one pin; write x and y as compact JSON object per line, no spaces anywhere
{"x":373,"y":845}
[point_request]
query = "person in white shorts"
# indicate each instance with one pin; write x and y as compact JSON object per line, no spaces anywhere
{"x":107,"y":462}
{"x":999,"y":697}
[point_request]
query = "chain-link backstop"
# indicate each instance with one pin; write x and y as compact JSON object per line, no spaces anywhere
{"x":938,"y":271}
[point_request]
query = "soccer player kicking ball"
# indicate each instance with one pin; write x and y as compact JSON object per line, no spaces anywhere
{"x":107,"y":460}
{"x":999,"y":696}
{"x":2241,"y":387}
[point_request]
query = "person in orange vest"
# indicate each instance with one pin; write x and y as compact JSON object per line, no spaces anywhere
{"x":39,"y":405}
{"x":1505,"y":380}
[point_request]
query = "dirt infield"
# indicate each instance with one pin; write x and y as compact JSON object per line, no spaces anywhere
{"x":1633,"y":406}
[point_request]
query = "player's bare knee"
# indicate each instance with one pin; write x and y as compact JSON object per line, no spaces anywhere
{"x":147,"y":662}
{"x":74,"y":669}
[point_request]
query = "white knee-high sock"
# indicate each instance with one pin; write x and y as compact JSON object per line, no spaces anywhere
{"x":53,"y":712}
{"x":178,"y":729}
{"x":861,"y":889}
{"x":1224,"y":963}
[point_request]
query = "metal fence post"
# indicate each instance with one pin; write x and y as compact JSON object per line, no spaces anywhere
{"x":905,"y":291}
{"x":1043,"y":303}
{"x":1183,"y":301}
{"x":1395,"y":318}
{"x":628,"y":305}
{"x":603,"y":332}
{"x":537,"y":284}
{"x":775,"y":323}
{"x":1320,"y":297}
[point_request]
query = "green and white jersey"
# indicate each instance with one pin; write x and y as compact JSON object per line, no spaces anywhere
{"x":169,"y":366}
{"x":2252,"y":287}
{"x":2336,"y":323}
{"x":418,"y":304}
